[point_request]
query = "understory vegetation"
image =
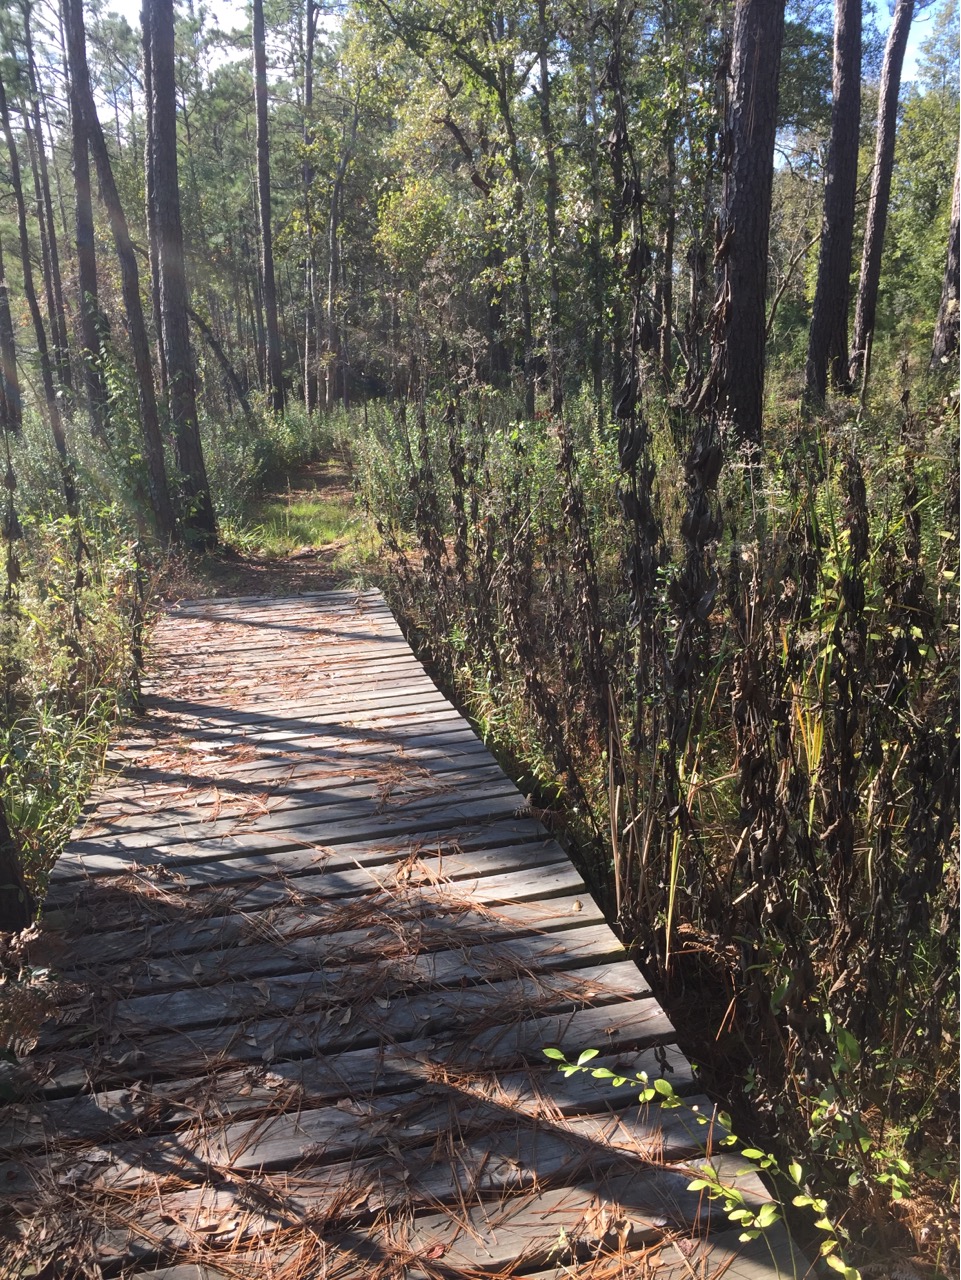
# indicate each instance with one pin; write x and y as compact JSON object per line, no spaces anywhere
{"x":743,"y":709}
{"x":663,"y":487}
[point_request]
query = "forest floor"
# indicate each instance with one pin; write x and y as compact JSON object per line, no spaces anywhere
{"x":303,"y":534}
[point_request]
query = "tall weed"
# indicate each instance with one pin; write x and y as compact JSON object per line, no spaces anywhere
{"x":738,"y":680}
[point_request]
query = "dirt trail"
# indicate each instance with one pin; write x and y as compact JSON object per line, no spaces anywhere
{"x":228,"y":572}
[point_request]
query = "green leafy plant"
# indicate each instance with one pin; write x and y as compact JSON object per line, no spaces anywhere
{"x":751,"y":1222}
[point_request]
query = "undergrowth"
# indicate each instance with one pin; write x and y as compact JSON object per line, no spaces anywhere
{"x":77,"y":595}
{"x":737,"y":677}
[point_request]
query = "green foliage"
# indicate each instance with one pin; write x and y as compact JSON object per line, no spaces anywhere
{"x":751,"y":1222}
{"x":68,"y":671}
{"x":920,"y":210}
{"x":246,"y":454}
{"x":808,"y":748}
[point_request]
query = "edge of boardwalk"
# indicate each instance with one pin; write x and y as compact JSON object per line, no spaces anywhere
{"x":331,"y":945}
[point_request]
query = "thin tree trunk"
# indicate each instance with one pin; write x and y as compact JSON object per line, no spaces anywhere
{"x":198,"y":519}
{"x":523,"y":254}
{"x":129,"y":275}
{"x":273,"y":362}
{"x":865,"y":312}
{"x":735,"y":382}
{"x":666,"y":283}
{"x":89,"y":305}
{"x":310,"y":261}
{"x":48,"y":230}
{"x":9,"y":379}
{"x":226,"y":366}
{"x":153,"y":245}
{"x":551,"y":197}
{"x":58,"y":185}
{"x":334,"y":365}
{"x":52,"y":292}
{"x":618,"y":145}
{"x":597,"y":256}
{"x":946,"y":330}
{"x":43,"y":352}
{"x":336,"y":376}
{"x":828,"y":337}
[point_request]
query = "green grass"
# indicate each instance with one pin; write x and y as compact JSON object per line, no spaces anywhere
{"x":278,"y":526}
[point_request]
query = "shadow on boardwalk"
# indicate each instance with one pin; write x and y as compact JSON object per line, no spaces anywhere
{"x":312,"y":961}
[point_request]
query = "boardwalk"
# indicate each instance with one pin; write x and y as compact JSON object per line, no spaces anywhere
{"x":316,"y":946}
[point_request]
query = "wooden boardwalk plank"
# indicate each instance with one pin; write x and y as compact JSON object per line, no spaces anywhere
{"x":314,"y":944}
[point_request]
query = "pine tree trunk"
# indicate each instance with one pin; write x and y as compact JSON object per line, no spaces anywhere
{"x":310,"y":262}
{"x":865,"y":313}
{"x":666,"y":282}
{"x":150,"y":217}
{"x":523,"y":257}
{"x":737,"y":371}
{"x":273,"y":363}
{"x":198,"y":520}
{"x":51,"y":402}
{"x":551,"y":198}
{"x":49,"y":275}
{"x":9,"y":378}
{"x":89,"y":308}
{"x":336,"y":371}
{"x":828,"y":337}
{"x":48,"y":231}
{"x":599,"y":318}
{"x":129,"y":274}
{"x":946,"y":330}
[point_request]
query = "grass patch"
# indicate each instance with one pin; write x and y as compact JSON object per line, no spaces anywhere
{"x":309,"y":535}
{"x":279,"y":525}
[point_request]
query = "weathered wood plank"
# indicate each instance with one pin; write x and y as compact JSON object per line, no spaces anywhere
{"x":333,"y":942}
{"x":410,"y":1135}
{"x":699,"y":1257}
{"x":222,"y":863}
{"x":362,"y":1073}
{"x":384,"y":1065}
{"x":147,"y":783}
{"x":477,"y":1231}
{"x":489,"y":1016}
{"x":427,"y":820}
{"x":206,"y":953}
{"x":379,"y":981}
{"x":273,"y":806}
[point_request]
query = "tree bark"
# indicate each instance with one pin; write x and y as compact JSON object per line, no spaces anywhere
{"x":599,"y":318}
{"x":310,"y":261}
{"x":273,"y":363}
{"x":666,"y":282}
{"x":150,"y":217}
{"x":9,"y":379}
{"x":736,"y":378}
{"x":53,"y":277}
{"x":551,"y":198}
{"x":89,"y":305}
{"x":198,"y":519}
{"x":865,"y":313}
{"x":43,"y":351}
{"x":523,"y":252}
{"x":828,"y":336}
{"x":164,"y":520}
{"x":336,"y":373}
{"x":946,"y":330}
